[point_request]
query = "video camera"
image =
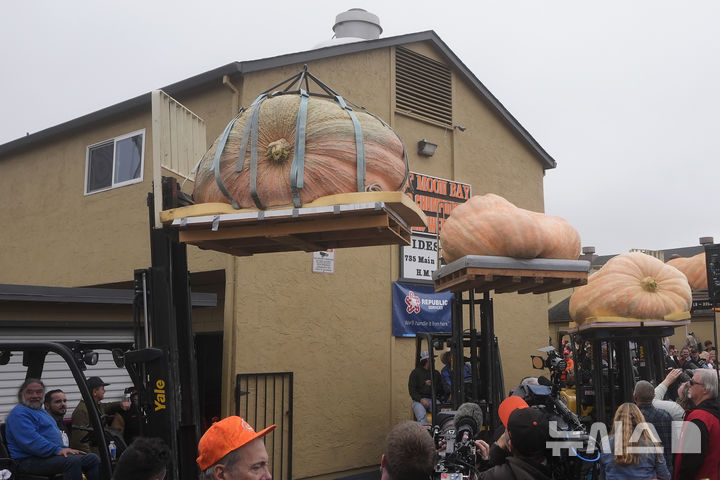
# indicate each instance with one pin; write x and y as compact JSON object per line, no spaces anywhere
{"x":454,"y":434}
{"x":554,"y":361}
{"x":544,"y":396}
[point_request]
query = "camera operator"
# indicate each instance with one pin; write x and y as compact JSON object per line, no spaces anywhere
{"x":497,"y":453}
{"x":409,"y":453}
{"x":528,"y":432}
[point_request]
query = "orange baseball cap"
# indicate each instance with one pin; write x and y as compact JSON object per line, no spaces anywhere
{"x":508,"y":406}
{"x":225,"y":436}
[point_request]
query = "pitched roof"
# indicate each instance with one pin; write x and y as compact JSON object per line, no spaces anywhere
{"x":143,"y":101}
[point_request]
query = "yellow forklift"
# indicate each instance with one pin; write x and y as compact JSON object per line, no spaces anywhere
{"x":609,"y":358}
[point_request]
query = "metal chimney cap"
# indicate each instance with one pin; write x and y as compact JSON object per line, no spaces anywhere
{"x":706,"y":240}
{"x":358,"y":23}
{"x":588,"y":250}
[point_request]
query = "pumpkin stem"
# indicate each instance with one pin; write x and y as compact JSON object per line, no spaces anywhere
{"x":278,"y":151}
{"x":649,"y":284}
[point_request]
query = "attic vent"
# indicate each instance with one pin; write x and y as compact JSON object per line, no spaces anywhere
{"x":422,"y":87}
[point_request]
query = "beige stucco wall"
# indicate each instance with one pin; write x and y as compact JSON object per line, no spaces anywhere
{"x":54,"y":234}
{"x":332,"y":330}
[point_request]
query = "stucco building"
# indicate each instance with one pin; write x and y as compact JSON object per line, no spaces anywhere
{"x":65,"y":225}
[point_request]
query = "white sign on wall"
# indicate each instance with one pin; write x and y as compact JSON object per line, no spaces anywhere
{"x":437,"y":197}
{"x":419,"y":260}
{"x":324,"y":261}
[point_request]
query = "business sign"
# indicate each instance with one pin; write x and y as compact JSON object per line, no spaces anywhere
{"x":417,"y":308}
{"x":437,"y":197}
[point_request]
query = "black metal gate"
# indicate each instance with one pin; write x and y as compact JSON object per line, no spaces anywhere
{"x":264,"y":399}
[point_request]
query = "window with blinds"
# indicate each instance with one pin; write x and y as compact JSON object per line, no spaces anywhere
{"x":423,"y":87}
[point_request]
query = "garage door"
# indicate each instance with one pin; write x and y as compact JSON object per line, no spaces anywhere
{"x":56,"y":373}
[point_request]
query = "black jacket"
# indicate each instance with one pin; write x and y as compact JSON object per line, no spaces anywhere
{"x":419,"y":389}
{"x":517,"y":469}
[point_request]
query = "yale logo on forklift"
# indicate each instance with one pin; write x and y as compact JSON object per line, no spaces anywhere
{"x":160,"y":395}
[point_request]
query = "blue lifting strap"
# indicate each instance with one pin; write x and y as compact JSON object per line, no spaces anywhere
{"x":298,"y":165}
{"x":251,"y":126}
{"x":216,"y":160}
{"x":359,"y":146}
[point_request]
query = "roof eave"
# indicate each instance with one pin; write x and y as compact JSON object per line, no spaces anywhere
{"x":143,"y":101}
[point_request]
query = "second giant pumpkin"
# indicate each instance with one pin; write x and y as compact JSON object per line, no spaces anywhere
{"x":632,"y":285}
{"x":490,"y":225}
{"x":329,"y":159}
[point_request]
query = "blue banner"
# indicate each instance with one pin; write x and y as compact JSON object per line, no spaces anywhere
{"x":417,"y":308}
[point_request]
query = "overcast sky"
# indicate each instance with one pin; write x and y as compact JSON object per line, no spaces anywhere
{"x":624,"y":95}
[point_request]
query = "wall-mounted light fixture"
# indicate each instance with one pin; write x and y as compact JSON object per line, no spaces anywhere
{"x":459,"y":127}
{"x":426,"y":149}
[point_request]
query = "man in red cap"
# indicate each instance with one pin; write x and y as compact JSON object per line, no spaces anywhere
{"x":232,"y":450}
{"x":499,"y":451}
{"x":528,"y":433}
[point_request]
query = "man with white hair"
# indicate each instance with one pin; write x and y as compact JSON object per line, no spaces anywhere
{"x":706,"y":417}
{"x":35,"y":442}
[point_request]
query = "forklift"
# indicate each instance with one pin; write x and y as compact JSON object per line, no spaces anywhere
{"x":77,"y":356}
{"x":625,"y":353}
{"x":473,"y":348}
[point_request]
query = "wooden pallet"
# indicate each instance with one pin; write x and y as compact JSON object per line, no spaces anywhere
{"x":505,"y":275}
{"x":591,"y":323}
{"x":337,"y":221}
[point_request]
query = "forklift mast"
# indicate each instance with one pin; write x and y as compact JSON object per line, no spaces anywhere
{"x":168,"y":371}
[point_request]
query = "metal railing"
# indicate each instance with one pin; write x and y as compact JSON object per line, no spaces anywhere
{"x":264,"y":399}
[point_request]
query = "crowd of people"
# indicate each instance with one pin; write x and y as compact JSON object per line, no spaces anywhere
{"x":639,"y":445}
{"x":692,"y":355}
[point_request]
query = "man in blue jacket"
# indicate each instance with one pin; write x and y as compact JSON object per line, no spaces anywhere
{"x":35,"y":442}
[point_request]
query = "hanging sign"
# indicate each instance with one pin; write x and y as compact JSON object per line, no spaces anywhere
{"x":437,"y":197}
{"x":419,"y":260}
{"x":417,"y":308}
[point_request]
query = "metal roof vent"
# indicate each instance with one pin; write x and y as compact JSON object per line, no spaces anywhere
{"x":357,"y":23}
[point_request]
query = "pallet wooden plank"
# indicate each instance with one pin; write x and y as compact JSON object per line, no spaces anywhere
{"x":525,"y":273}
{"x":296,"y":242}
{"x":396,"y":201}
{"x":509,"y":280}
{"x":288,"y":228}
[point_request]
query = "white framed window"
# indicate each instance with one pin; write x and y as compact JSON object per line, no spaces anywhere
{"x":115,"y":162}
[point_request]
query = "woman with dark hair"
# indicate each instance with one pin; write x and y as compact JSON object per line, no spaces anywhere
{"x":145,"y":459}
{"x":642,"y":458}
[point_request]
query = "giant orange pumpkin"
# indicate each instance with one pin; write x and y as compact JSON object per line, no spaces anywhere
{"x":329,"y":158}
{"x":632,"y":285}
{"x":694,"y":268}
{"x":490,"y":225}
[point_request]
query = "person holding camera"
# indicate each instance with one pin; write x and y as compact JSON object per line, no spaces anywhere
{"x":528,"y":432}
{"x":676,"y":411}
{"x":409,"y":453}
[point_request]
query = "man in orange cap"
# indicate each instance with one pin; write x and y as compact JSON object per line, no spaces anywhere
{"x":232,"y":450}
